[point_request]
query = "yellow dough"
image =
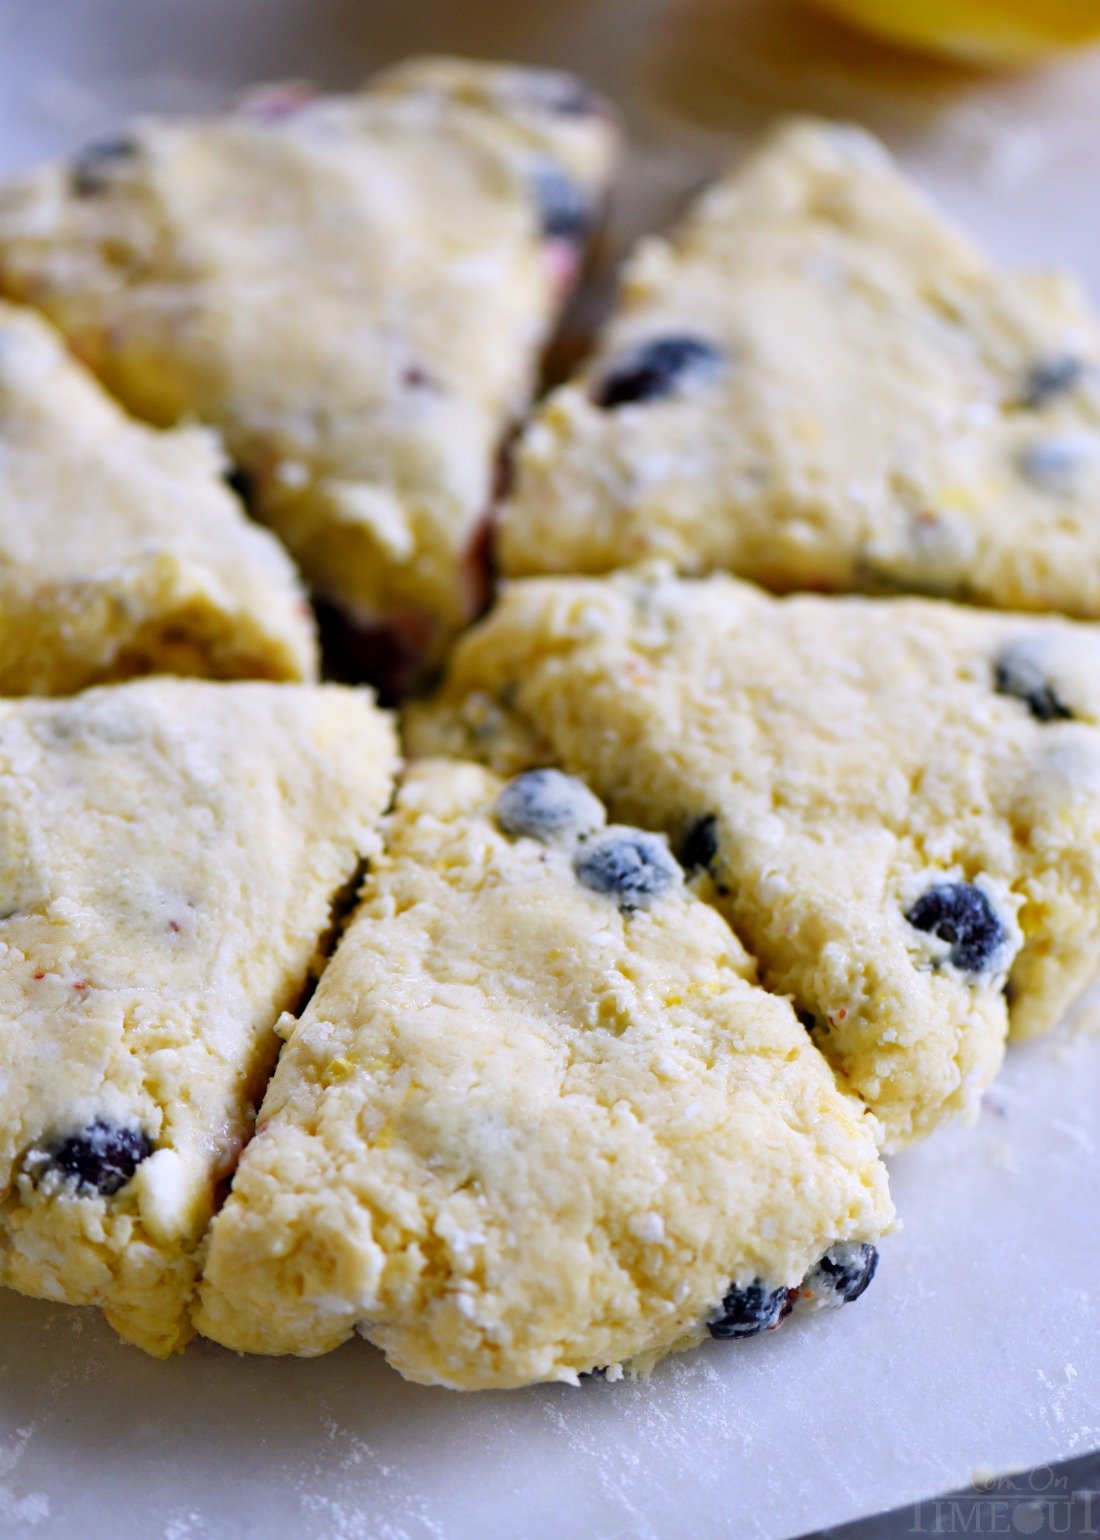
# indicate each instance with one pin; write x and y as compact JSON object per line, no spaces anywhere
{"x":122,"y":551}
{"x":897,"y":801}
{"x":537,"y":1118}
{"x":170,"y":852}
{"x":818,"y":382}
{"x":354,"y":289}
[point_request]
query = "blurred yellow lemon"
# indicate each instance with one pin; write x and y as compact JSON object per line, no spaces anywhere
{"x":979,"y":31}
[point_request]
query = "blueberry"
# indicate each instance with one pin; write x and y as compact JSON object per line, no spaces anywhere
{"x":657,"y":369}
{"x":240,"y":482}
{"x":548,"y":805}
{"x":1051,"y":377}
{"x":562,"y":94}
{"x":748,"y":1309}
{"x":564,"y":211}
{"x":626,"y":864}
{"x":101,"y":1158}
{"x":1054,"y":464}
{"x":842,"y":1274}
{"x":91,"y":170}
{"x":700,"y":844}
{"x":1019,"y":674}
{"x":417,"y":376}
{"x":962,"y":915}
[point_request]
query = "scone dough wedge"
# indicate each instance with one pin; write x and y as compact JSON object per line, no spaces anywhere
{"x":170,"y":855}
{"x":537,"y":1119}
{"x":354,"y":289}
{"x":818,"y":382}
{"x":896,"y":802}
{"x":122,"y":550}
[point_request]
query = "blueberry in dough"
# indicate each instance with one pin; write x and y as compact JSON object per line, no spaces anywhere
{"x":102,"y":1157}
{"x":547,"y":805}
{"x":748,"y":1309}
{"x":1051,"y":377}
{"x":240,"y":482}
{"x":700,"y":844}
{"x":1055,"y":464}
{"x":1018,"y":674}
{"x":626,"y":864}
{"x":842,"y":1275}
{"x":564,"y":212}
{"x":92,"y":168}
{"x":564,"y":95}
{"x":657,"y":369}
{"x":963,"y":916}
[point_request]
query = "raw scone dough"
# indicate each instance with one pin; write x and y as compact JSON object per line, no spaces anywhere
{"x":122,"y":551}
{"x":537,"y":1117}
{"x":897,"y":801}
{"x":170,"y":852}
{"x":354,"y":289}
{"x":818,"y":382}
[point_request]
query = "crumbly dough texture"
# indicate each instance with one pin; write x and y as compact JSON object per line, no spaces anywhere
{"x":520,"y":1133}
{"x":830,"y":762}
{"x":122,"y":551}
{"x":354,"y":289}
{"x":884,"y":410}
{"x":169,"y":855}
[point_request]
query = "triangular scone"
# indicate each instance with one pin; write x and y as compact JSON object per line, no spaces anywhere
{"x":170,"y":855}
{"x":818,"y":382}
{"x":898,"y":801}
{"x":354,"y":289}
{"x":122,"y":551}
{"x":537,"y":1119}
